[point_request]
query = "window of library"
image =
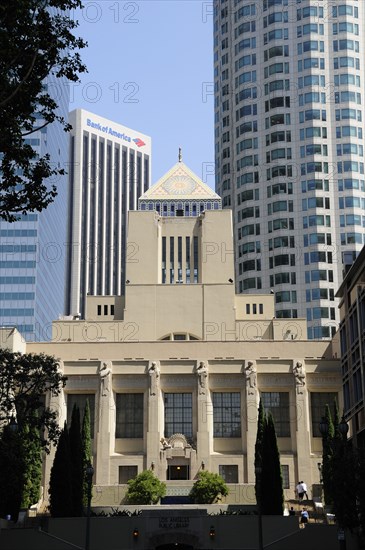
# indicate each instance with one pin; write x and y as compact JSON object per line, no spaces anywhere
{"x":178,"y":414}
{"x":229,"y":473}
{"x":227,"y":414}
{"x":278,"y":404}
{"x":319,"y":400}
{"x":80,"y":399}
{"x":129,"y":415}
{"x":126,"y":473}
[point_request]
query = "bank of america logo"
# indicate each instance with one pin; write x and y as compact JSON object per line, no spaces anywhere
{"x":139,"y":142}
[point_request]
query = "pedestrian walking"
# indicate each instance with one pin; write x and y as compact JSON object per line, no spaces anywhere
{"x":304,"y":516}
{"x":304,"y":489}
{"x":299,"y":490}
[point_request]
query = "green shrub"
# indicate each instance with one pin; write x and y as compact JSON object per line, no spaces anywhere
{"x":208,"y":488}
{"x":145,"y":488}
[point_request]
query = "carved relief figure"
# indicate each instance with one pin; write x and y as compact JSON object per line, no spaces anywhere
{"x":202,"y":373}
{"x":299,"y":374}
{"x":251,"y":377}
{"x":105,"y":378}
{"x":154,"y":373}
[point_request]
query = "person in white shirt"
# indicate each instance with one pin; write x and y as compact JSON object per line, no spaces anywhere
{"x":304,"y":489}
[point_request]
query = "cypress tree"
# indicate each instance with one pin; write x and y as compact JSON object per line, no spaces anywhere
{"x":76,"y":462}
{"x":12,"y":469}
{"x":327,"y":464}
{"x":272,"y":482}
{"x":32,"y":448}
{"x":261,"y":420}
{"x":86,"y":450}
{"x":60,"y":486}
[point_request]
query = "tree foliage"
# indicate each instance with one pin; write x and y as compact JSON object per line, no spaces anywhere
{"x":76,"y":462}
{"x":86,"y":452}
{"x":342,"y":474}
{"x":272,"y":482}
{"x":12,"y":468}
{"x":60,"y":484}
{"x":327,"y":460}
{"x":208,"y":488}
{"x":145,"y":488}
{"x":269,"y":483}
{"x":24,"y":381}
{"x":38,"y":51}
{"x":32,"y":451}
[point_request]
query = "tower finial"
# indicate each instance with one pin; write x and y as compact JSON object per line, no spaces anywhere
{"x":180,"y":154}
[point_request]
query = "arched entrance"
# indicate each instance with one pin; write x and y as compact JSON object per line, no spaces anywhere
{"x":174,"y":540}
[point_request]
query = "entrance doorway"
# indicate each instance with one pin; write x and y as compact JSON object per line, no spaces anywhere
{"x":178,"y":472}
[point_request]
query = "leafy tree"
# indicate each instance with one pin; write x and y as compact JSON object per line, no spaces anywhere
{"x":37,"y":44}
{"x":145,"y":488}
{"x":60,"y":485}
{"x":208,"y":488}
{"x":86,"y":452}
{"x":327,"y":461}
{"x":76,"y":462}
{"x":32,"y":452}
{"x":12,"y":469}
{"x":24,"y":380}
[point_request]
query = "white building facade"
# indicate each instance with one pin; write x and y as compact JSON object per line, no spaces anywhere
{"x":289,"y":124}
{"x":110,"y":167}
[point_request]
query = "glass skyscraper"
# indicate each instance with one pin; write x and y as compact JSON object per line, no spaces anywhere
{"x":32,"y":250}
{"x":289,"y":145}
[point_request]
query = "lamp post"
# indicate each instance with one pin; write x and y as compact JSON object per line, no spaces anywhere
{"x":258,"y":472}
{"x":89,"y":476}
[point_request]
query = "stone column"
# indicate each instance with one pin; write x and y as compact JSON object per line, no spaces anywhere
{"x":204,"y":418}
{"x":103,"y":426}
{"x":252,"y":403}
{"x":302,"y":435}
{"x":154,"y":413}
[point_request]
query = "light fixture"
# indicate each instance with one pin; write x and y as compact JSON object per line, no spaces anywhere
{"x":212,"y":532}
{"x":135,"y":533}
{"x":13,"y":425}
{"x":203,"y":465}
{"x":230,"y":280}
{"x":152,"y":465}
{"x":127,"y":282}
{"x":343,"y":427}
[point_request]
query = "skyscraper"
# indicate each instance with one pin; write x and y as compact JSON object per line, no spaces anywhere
{"x":110,"y":170}
{"x":32,"y":253}
{"x":289,"y":124}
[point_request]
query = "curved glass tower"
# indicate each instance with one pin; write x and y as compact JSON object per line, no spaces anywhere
{"x":289,"y":124}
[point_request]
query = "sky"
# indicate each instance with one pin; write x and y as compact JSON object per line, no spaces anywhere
{"x":150,"y":68}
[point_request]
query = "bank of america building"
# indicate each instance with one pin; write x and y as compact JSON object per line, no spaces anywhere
{"x":289,"y":126}
{"x":110,"y":170}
